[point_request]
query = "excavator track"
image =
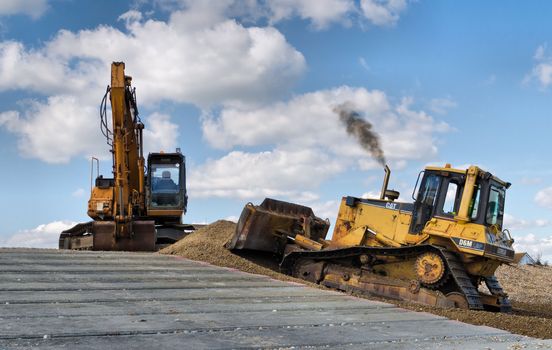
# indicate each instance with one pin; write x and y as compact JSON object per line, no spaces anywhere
{"x":74,"y":237}
{"x":462,"y":281}
{"x":80,"y":236}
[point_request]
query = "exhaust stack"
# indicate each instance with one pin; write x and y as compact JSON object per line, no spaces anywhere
{"x":391,"y":195}
{"x":385,"y":182}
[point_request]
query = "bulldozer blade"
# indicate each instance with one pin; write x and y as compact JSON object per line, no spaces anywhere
{"x":142,"y":237}
{"x":266,"y":227}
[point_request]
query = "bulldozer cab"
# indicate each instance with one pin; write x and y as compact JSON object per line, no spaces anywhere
{"x":469,"y":196}
{"x":166,"y":186}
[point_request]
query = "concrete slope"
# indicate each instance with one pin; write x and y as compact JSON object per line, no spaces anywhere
{"x":104,"y":300}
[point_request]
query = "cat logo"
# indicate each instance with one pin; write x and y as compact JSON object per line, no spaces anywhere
{"x":391,"y":206}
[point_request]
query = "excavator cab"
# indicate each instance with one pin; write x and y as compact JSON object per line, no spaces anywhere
{"x":166,"y":186}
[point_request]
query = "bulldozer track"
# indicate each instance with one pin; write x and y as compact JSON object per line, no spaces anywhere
{"x":496,"y":289}
{"x":462,"y":280}
{"x":454,"y":266}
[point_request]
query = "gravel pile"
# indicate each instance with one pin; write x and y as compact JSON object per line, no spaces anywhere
{"x":526,"y":283}
{"x":529,"y":287}
{"x":207,"y":244}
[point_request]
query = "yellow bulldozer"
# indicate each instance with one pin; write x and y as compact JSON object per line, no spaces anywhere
{"x":440,"y":250}
{"x":140,"y":208}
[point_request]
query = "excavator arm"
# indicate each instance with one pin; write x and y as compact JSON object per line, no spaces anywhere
{"x":128,"y":160}
{"x":116,"y":204}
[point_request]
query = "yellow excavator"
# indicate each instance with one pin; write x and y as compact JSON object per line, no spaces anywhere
{"x":141,"y":207}
{"x":441,"y":250}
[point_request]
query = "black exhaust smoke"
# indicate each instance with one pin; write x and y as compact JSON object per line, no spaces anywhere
{"x":361,"y":129}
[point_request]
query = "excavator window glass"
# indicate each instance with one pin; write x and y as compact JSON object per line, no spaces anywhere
{"x":165,"y":185}
{"x":495,"y":206}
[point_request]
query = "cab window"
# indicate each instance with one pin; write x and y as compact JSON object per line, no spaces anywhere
{"x":165,"y":185}
{"x":430,"y":191}
{"x":426,"y":202}
{"x":474,"y":203}
{"x":495,"y":206}
{"x":165,"y":177}
{"x":452,"y":200}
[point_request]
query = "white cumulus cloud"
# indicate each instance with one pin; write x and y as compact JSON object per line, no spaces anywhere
{"x":442,"y":105}
{"x":514,"y":223}
{"x":55,"y":130}
{"x":172,"y":60}
{"x":206,"y":63}
{"x":321,"y":13}
{"x":307,"y":142}
{"x":309,"y":120}
{"x":544,"y":197}
{"x":535,"y":246}
{"x":42,"y":236}
{"x":160,"y":134}
{"x":32,"y":8}
{"x":277,"y":173}
{"x":542,"y":70}
{"x":383,"y":12}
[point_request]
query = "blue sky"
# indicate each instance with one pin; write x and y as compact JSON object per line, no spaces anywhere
{"x":246,"y":89}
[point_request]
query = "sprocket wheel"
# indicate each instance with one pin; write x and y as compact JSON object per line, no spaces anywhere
{"x":430,"y":268}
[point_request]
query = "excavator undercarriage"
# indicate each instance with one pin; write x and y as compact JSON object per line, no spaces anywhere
{"x":102,"y":235}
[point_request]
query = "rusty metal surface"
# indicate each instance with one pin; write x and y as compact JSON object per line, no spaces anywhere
{"x":266,"y":227}
{"x":142,"y":239}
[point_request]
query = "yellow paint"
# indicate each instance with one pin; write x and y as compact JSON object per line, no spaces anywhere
{"x":353,"y":238}
{"x":375,"y":225}
{"x":307,"y":243}
{"x":100,"y":205}
{"x":469,"y":188}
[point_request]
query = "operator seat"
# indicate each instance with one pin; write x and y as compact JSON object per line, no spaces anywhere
{"x":166,"y":183}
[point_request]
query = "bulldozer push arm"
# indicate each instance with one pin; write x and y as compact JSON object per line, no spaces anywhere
{"x":435,"y":251}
